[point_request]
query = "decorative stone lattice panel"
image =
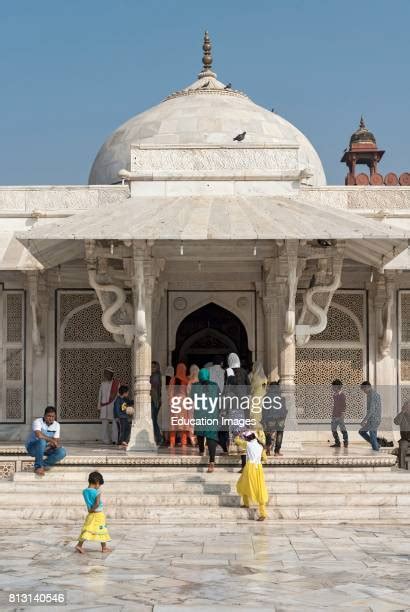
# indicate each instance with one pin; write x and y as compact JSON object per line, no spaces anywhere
{"x":355,"y":302}
{"x":323,"y":359}
{"x":14,"y":317}
{"x":80,"y":377}
{"x":404,"y":347}
{"x":315,"y":370}
{"x":85,"y":326}
{"x":14,"y":404}
{"x":12,"y":363}
{"x":405,"y":316}
{"x":404,"y":394}
{"x":7,"y":469}
{"x":68,"y":301}
{"x":82,"y":356}
{"x":339,"y":327}
{"x":405,"y":364}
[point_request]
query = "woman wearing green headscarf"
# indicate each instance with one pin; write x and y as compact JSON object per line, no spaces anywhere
{"x":205,"y":396}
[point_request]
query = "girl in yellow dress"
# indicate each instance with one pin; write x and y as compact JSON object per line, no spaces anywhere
{"x":251,"y":485}
{"x":94,"y":528}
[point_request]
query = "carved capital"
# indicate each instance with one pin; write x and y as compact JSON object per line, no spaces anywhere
{"x":313,"y":317}
{"x":384,"y":302}
{"x":37,"y":295}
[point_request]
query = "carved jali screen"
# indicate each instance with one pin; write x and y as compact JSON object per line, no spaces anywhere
{"x":340,"y":351}
{"x":12,"y":364}
{"x":404,"y":345}
{"x":84,"y":349}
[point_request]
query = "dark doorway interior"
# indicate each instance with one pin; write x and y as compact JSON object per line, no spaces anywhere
{"x":208,"y":332}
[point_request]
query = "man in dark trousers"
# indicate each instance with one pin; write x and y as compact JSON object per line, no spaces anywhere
{"x":403,"y":421}
{"x":338,"y":414}
{"x":373,"y":417}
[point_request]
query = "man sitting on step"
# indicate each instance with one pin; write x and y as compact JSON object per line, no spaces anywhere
{"x":44,"y":439}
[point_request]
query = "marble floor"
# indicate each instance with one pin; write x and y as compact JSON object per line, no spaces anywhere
{"x":246,"y":567}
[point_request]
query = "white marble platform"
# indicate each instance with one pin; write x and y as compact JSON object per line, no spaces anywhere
{"x":359,"y":455}
{"x":247,"y":567}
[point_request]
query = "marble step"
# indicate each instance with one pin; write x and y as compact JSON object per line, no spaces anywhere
{"x":188,"y":500}
{"x":169,"y":486}
{"x":202,"y":515}
{"x":220,"y":475}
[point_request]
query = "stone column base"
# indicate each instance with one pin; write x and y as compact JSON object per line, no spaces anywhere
{"x":292,"y":439}
{"x":142,"y":438}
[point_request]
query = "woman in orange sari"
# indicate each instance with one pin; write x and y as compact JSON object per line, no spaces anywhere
{"x":192,"y":379}
{"x":177,"y":392}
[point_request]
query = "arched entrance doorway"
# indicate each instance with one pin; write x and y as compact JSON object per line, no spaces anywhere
{"x":208,"y":332}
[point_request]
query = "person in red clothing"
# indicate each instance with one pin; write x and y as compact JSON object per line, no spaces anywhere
{"x":338,"y":414}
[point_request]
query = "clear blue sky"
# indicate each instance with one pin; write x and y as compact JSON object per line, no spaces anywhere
{"x":73,"y":70}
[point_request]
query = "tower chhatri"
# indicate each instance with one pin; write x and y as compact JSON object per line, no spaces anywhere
{"x":362,"y":151}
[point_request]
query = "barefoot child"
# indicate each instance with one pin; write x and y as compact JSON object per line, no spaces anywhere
{"x":94,"y":528}
{"x":251,"y":484}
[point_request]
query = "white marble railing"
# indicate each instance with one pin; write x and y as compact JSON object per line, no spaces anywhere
{"x":59,"y":198}
{"x":358,"y":198}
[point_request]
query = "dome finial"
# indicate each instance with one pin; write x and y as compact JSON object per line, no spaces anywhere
{"x":206,"y":58}
{"x":362,"y":124}
{"x":207,"y":49}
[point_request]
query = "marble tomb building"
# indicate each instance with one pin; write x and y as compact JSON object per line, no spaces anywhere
{"x":187,"y":243}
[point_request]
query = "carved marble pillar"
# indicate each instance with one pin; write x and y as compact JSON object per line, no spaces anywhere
{"x":37,"y":369}
{"x":287,"y":281}
{"x":271,"y":312}
{"x":386,"y":347}
{"x":143,"y":281}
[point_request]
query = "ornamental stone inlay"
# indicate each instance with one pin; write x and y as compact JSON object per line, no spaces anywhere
{"x":7,"y":469}
{"x":180,"y":303}
{"x":209,"y":159}
{"x":242,"y":302}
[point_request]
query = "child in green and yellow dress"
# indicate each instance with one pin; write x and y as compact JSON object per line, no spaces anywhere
{"x":94,"y":528}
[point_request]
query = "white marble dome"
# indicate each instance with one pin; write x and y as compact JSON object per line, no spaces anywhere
{"x":205,"y":112}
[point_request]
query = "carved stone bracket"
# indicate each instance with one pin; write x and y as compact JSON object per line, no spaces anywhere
{"x":291,"y":267}
{"x":122,"y":332}
{"x":384,"y":301}
{"x":313,"y":317}
{"x":38,"y":303}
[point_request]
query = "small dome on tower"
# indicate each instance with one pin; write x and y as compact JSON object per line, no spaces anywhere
{"x":362,"y":137}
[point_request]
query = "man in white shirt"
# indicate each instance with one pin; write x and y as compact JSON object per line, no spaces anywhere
{"x":106,"y":398}
{"x":44,"y":439}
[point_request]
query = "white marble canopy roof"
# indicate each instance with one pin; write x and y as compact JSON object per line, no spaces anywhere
{"x":213,"y":218}
{"x":204,"y":219}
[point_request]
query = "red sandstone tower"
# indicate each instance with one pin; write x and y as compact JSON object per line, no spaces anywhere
{"x":362,"y":150}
